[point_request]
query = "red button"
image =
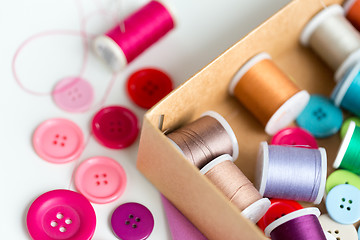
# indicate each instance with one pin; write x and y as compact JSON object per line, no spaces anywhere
{"x":115,"y":127}
{"x":148,"y":86}
{"x":294,"y":136}
{"x":278,"y":209}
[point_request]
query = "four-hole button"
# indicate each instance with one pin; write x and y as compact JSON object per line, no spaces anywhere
{"x":343,"y":204}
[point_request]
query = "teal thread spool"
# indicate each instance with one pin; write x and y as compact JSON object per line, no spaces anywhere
{"x":347,"y":92}
{"x":348,"y":156}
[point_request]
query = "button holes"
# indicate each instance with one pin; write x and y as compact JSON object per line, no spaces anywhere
{"x":127,"y":222}
{"x":343,"y":199}
{"x":119,"y":130}
{"x":62,"y":229}
{"x":341,"y":206}
{"x":57,"y":135}
{"x":96,"y":176}
{"x":137,"y":219}
{"x":68,"y":221}
{"x":156,"y":87}
{"x":329,"y":231}
{"x":104,"y":175}
{"x":338,"y":238}
{"x":346,"y":182}
{"x":97,"y":183}
{"x":131,"y":216}
{"x":145,"y":89}
{"x":134,"y":226}
{"x":350,"y":201}
{"x":151,"y":92}
{"x":64,"y":137}
{"x":336,"y":231}
{"x":62,"y":144}
{"x":119,"y":123}
{"x":53,"y":223}
{"x":105,"y":182}
{"x":112,"y":129}
{"x":59,"y":216}
{"x":112,"y":123}
{"x":283,"y":214}
{"x":54,"y":142}
{"x":348,"y":208}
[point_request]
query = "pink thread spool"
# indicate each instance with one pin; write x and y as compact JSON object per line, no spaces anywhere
{"x":127,"y":40}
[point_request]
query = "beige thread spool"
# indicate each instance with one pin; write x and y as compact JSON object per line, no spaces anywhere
{"x":333,"y":38}
{"x":205,"y":139}
{"x":236,"y":187}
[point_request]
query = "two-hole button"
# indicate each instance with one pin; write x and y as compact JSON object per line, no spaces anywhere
{"x":320,"y":117}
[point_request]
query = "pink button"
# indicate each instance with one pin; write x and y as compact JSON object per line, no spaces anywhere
{"x":294,"y":136}
{"x":61,"y":214}
{"x":58,"y":140}
{"x":100,"y":179}
{"x":73,"y":94}
{"x":115,"y":127}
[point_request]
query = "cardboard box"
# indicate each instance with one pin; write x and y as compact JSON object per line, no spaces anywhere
{"x":192,"y":193}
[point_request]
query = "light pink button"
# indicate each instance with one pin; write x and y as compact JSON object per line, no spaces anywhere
{"x":73,"y":94}
{"x":100,"y":179}
{"x":61,"y":214}
{"x":294,"y":136}
{"x":58,"y":140}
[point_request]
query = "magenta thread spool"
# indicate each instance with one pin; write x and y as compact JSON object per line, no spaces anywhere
{"x":293,"y":173}
{"x":302,"y":224}
{"x":127,"y":40}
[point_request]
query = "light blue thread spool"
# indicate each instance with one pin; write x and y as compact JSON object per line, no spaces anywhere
{"x":347,"y":92}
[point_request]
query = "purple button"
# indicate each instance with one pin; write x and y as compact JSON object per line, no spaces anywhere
{"x":294,"y":136}
{"x":132,"y":221}
{"x":115,"y":127}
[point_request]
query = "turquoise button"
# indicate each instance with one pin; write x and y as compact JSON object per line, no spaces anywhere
{"x":343,"y":204}
{"x":320,"y":117}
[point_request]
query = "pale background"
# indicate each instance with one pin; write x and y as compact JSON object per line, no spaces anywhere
{"x":205,"y":29}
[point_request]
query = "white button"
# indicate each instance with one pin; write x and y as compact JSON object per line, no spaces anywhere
{"x":339,"y":231}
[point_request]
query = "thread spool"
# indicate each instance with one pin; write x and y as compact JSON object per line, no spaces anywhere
{"x":346,"y":92}
{"x":352,"y":12}
{"x":236,"y":187}
{"x":121,"y":45}
{"x":291,"y":173}
{"x":268,"y":93}
{"x":302,"y":224}
{"x":205,"y":139}
{"x":333,"y":38}
{"x":349,"y":150}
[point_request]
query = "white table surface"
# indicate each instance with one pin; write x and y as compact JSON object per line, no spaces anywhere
{"x":205,"y":29}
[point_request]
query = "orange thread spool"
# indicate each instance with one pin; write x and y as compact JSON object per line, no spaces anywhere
{"x":268,"y":93}
{"x":352,"y":11}
{"x":225,"y":175}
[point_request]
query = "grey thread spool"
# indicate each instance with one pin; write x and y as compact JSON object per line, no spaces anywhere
{"x":333,"y":38}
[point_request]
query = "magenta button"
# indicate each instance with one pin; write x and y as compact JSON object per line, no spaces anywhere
{"x":115,"y":127}
{"x":73,"y":94}
{"x":61,"y":214}
{"x":294,"y":136}
{"x":58,"y":140}
{"x":100,"y":179}
{"x":132,"y":221}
